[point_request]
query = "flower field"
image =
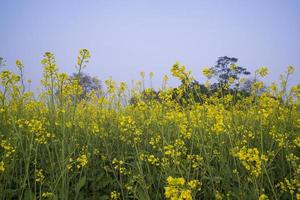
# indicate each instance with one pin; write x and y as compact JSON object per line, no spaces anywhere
{"x":135,"y":143}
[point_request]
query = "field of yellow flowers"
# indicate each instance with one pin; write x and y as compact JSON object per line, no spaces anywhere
{"x":55,"y":145}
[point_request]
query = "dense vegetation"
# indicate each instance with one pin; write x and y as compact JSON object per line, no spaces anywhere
{"x":211,"y":141}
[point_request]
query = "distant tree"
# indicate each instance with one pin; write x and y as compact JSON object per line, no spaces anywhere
{"x":147,"y":95}
{"x":87,"y":82}
{"x":2,"y":62}
{"x":248,"y":86}
{"x":226,"y":70}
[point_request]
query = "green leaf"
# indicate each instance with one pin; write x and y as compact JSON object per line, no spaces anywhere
{"x":104,"y":197}
{"x":80,"y":184}
{"x":28,"y":195}
{"x":141,"y":194}
{"x":105,"y":182}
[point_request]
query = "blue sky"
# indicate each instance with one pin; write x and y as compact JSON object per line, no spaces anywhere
{"x":126,"y":37}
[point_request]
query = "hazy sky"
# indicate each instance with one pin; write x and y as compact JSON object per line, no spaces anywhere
{"x":126,"y":37}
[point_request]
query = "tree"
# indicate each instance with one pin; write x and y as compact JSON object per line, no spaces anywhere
{"x":2,"y":62}
{"x":87,"y":82}
{"x":249,"y":84}
{"x":147,"y":95}
{"x":226,"y":71}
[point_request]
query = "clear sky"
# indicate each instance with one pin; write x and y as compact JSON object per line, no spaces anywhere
{"x":126,"y":36}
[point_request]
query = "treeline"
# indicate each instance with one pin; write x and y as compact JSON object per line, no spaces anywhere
{"x":227,"y":78}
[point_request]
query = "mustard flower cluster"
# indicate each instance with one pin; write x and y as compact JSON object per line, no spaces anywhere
{"x":291,"y":186}
{"x":251,"y":159}
{"x":180,"y":189}
{"x":9,"y":150}
{"x":129,"y":131}
{"x":207,"y":72}
{"x":119,"y":166}
{"x":114,"y":195}
{"x":2,"y":167}
{"x":181,"y":73}
{"x":263,"y":71}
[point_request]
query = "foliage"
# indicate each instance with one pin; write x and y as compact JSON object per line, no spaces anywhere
{"x":226,"y":71}
{"x":87,"y":82}
{"x":2,"y":61}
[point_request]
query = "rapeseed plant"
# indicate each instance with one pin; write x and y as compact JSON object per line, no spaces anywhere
{"x":136,"y":143}
{"x":2,"y":167}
